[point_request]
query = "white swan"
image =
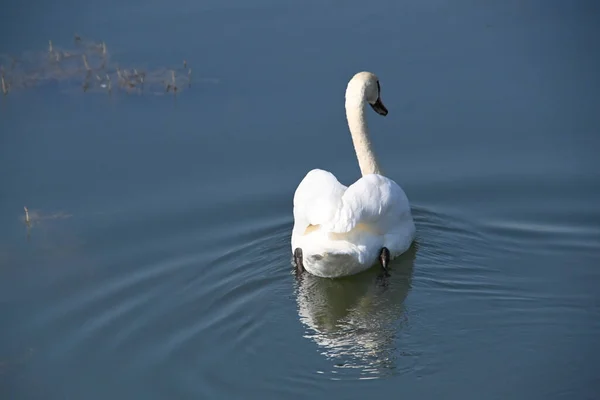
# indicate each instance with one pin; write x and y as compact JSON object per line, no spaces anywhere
{"x":341,"y":230}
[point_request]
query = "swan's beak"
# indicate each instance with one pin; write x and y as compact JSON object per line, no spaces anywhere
{"x":379,"y":107}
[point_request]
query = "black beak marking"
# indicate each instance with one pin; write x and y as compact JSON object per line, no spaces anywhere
{"x":378,"y":105}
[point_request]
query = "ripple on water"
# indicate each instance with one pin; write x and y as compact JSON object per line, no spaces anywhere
{"x":484,"y":284}
{"x":170,"y":293}
{"x":161,"y":306}
{"x":226,"y":299}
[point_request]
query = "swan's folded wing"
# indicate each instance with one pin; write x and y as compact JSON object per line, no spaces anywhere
{"x":317,"y":200}
{"x":374,"y":201}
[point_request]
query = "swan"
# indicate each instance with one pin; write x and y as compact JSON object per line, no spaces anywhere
{"x":339,"y":230}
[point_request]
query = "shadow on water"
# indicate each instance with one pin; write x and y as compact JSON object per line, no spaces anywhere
{"x":355,"y":320}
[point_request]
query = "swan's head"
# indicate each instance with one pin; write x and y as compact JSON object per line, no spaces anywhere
{"x":365,"y":86}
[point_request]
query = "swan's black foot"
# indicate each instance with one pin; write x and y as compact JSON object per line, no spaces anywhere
{"x":298,"y":260}
{"x":384,"y":259}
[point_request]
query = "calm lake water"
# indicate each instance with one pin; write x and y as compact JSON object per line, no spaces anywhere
{"x":157,"y":263}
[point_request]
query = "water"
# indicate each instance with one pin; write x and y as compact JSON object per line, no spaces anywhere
{"x":157,"y":264}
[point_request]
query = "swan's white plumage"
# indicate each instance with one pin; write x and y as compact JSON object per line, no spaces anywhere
{"x":341,"y":230}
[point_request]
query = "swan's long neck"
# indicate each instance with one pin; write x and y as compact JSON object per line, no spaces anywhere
{"x":357,"y":122}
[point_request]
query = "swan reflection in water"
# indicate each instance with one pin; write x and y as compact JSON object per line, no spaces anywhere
{"x":355,"y":320}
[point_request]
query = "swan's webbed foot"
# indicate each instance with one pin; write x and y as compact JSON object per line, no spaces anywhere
{"x":384,"y":259}
{"x":298,"y":260}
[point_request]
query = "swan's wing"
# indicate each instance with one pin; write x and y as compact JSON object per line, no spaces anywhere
{"x":317,"y":200}
{"x":374,"y":201}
